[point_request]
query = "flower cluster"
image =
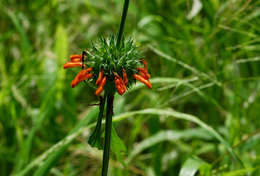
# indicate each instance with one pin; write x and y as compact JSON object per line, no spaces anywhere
{"x":110,"y":67}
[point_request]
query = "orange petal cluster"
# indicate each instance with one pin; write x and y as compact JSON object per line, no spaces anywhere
{"x":77,"y":61}
{"x":101,"y":81}
{"x":81,"y":76}
{"x":143,"y":75}
{"x":120,"y":84}
{"x":125,"y":76}
{"x":76,"y":58}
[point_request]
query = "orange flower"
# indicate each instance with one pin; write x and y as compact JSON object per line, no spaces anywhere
{"x":142,"y":75}
{"x":81,"y":76}
{"x":101,"y":86}
{"x":120,"y":84}
{"x":77,"y":61}
{"x":143,"y":80}
{"x":72,"y":64}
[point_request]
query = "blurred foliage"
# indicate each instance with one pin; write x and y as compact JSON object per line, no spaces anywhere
{"x":203,"y":56}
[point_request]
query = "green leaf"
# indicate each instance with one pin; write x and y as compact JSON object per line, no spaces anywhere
{"x":26,"y":150}
{"x":167,"y":135}
{"x":53,"y":158}
{"x":191,"y":166}
{"x":184,"y":116}
{"x":61,"y":51}
{"x":25,"y":43}
{"x":184,"y":65}
{"x":117,"y":145}
{"x":95,"y":137}
{"x":240,"y":172}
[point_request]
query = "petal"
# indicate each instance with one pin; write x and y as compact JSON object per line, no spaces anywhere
{"x":76,"y":58}
{"x":120,"y":89}
{"x":120,"y":86}
{"x":99,"y":90}
{"x":81,"y":76}
{"x":101,"y":86}
{"x":72,"y":64}
{"x":144,"y":73}
{"x":125,"y":77}
{"x":75,"y":81}
{"x":143,"y":80}
{"x":82,"y":73}
{"x":100,"y":77}
{"x":123,"y":88}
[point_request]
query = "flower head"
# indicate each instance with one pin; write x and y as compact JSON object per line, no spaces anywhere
{"x":110,"y":67}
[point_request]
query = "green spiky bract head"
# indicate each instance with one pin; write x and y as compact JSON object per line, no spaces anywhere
{"x":112,"y":59}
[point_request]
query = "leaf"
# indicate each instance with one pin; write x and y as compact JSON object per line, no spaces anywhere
{"x":167,"y":135}
{"x":179,"y":115}
{"x":117,"y":145}
{"x":95,"y":137}
{"x":164,"y":80}
{"x":191,"y":166}
{"x":240,"y":172}
{"x":61,"y":51}
{"x":184,"y":65}
{"x":25,"y":43}
{"x":196,"y":7}
{"x":53,"y":158}
{"x":26,"y":149}
{"x":148,"y":19}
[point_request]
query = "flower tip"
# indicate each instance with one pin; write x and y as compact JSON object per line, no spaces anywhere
{"x":143,"y":80}
{"x":76,"y":57}
{"x":98,"y":91}
{"x":65,"y":66}
{"x":73,"y":84}
{"x":149,"y":85}
{"x":72,"y":64}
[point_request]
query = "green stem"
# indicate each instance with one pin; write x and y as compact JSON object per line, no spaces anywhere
{"x":110,"y":100}
{"x":122,"y":24}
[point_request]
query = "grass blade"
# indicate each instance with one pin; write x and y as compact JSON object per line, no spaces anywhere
{"x":167,"y":135}
{"x":188,"y":67}
{"x":191,"y":166}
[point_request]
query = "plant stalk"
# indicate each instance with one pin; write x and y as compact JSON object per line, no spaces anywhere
{"x":109,"y":114}
{"x":122,"y":24}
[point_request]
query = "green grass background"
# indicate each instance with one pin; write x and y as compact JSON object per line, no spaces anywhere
{"x":200,"y":118}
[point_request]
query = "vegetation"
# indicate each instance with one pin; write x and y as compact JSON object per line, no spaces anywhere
{"x":200,"y":118}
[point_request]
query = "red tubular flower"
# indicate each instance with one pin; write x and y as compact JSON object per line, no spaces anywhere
{"x":125,"y":76}
{"x":100,"y":77}
{"x":143,"y":80}
{"x":72,"y":64}
{"x":101,"y":86}
{"x":144,"y":75}
{"x":81,"y":76}
{"x":76,"y":58}
{"x":119,"y":84}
